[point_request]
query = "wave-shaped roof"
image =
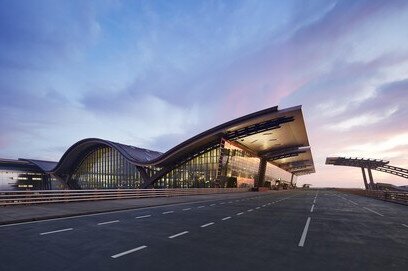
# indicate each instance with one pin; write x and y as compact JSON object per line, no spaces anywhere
{"x":288,"y":122}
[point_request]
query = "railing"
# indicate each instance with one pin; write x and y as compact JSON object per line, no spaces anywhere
{"x":55,"y":196}
{"x":393,"y":196}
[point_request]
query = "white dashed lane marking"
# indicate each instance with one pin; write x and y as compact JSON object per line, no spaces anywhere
{"x":108,"y":222}
{"x":51,"y":232}
{"x":303,"y":237}
{"x":168,"y":212}
{"x":240,"y":213}
{"x":128,"y":252}
{"x":377,"y":213}
{"x":226,"y":218}
{"x":178,"y":234}
{"x":143,"y":216}
{"x":206,"y":225}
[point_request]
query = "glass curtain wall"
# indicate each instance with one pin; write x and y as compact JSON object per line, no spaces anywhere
{"x":106,"y":168}
{"x":274,"y":173}
{"x":239,"y":165}
{"x":200,"y":171}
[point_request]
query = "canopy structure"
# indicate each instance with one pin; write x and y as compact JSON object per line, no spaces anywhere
{"x":369,"y":164}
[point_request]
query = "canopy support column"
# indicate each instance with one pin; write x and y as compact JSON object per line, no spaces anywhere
{"x":370,"y":175}
{"x":261,"y":172}
{"x":364,"y":178}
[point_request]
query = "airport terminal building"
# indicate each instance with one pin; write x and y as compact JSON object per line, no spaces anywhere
{"x":265,"y":148}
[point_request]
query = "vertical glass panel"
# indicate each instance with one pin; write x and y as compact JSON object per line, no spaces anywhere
{"x":106,"y":168}
{"x":200,"y":171}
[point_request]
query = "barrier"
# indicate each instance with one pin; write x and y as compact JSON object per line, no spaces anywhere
{"x":393,"y":196}
{"x":55,"y":196}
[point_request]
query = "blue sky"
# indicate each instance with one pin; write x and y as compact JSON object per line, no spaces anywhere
{"x":153,"y":73}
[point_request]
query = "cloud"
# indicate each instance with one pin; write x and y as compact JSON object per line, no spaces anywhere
{"x":362,"y":120}
{"x":152,"y":74}
{"x":44,"y":34}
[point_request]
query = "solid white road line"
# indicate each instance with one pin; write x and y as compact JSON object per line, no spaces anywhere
{"x":108,"y":222}
{"x":128,"y":252}
{"x":228,"y":217}
{"x":355,"y":203}
{"x":51,"y":232}
{"x":368,"y":209}
{"x":143,"y":216}
{"x":186,"y":209}
{"x":404,"y":225}
{"x":311,"y":209}
{"x":178,"y":234}
{"x":202,"y":206}
{"x":168,"y":212}
{"x":241,"y":213}
{"x":206,"y":225}
{"x":314,"y":201}
{"x":303,"y":237}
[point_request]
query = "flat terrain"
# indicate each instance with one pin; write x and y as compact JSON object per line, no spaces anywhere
{"x":290,"y":230}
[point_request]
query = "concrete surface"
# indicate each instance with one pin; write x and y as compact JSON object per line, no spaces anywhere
{"x":252,"y":231}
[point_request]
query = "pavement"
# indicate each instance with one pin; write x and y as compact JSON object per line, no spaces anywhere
{"x":24,"y":213}
{"x":289,"y":230}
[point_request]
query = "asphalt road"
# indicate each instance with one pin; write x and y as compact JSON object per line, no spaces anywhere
{"x":293,"y":230}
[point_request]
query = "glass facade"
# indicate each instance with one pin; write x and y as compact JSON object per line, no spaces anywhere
{"x":200,"y":171}
{"x":226,"y":166}
{"x":274,"y":174}
{"x":239,"y":167}
{"x":106,"y":168}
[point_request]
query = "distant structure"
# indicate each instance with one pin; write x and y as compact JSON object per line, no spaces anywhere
{"x":261,"y":149}
{"x":368,"y":164}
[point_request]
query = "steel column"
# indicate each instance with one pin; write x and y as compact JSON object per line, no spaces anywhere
{"x":261,"y":172}
{"x":291,"y":180}
{"x":370,"y":176}
{"x":364,"y":178}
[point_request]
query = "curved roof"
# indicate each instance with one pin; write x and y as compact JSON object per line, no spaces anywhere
{"x":133,"y":154}
{"x":32,"y":164}
{"x":262,"y":132}
{"x":43,"y":165}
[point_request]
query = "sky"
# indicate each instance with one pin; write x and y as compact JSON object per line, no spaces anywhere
{"x":153,"y":73}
